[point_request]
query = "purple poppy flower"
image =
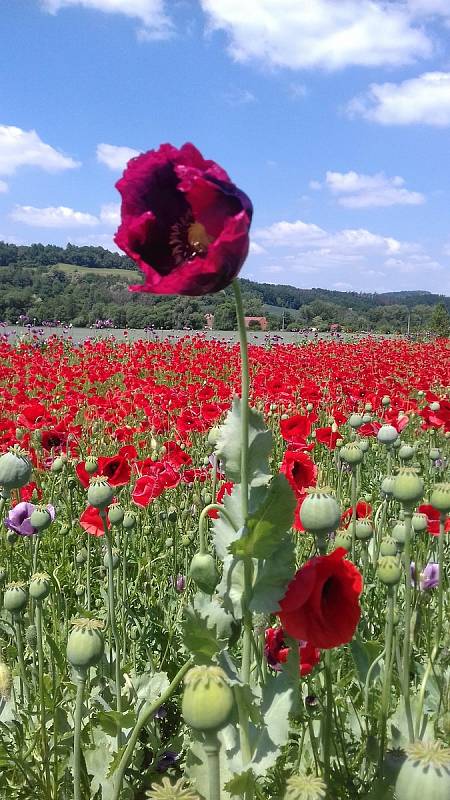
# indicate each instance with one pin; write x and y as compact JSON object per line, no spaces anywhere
{"x":428,"y":578}
{"x":18,"y":519}
{"x":168,"y":759}
{"x":180,"y":583}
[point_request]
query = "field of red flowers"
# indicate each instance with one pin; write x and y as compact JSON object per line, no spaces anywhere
{"x":124,"y":503}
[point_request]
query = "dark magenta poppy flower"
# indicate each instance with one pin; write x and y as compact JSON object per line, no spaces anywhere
{"x":183,"y":222}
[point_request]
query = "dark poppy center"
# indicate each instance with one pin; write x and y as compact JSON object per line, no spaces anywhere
{"x":327,"y":589}
{"x":188,"y":239}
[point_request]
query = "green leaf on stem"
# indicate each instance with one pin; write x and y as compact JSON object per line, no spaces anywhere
{"x":364,"y":654}
{"x":228,"y":448}
{"x":272,"y":576}
{"x":206,"y":631}
{"x":268,"y":525}
{"x":276,"y":705}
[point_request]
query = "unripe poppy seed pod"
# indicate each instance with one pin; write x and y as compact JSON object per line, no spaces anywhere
{"x":419,"y":522}
{"x":129,"y":520}
{"x":388,"y":546}
{"x":363,"y":529}
{"x":389,"y":570}
{"x":425,"y":773}
{"x":387,"y":434}
{"x":203,"y":572}
{"x":100,"y":493}
{"x":40,"y":518}
{"x":208,"y":699}
{"x":440,"y":497}
{"x":320,"y":512}
{"x":15,"y":597}
{"x":85,"y":644}
{"x":355,"y":420}
{"x":343,"y":539}
{"x":39,"y":586}
{"x":115,"y":514}
{"x":352,"y":454}
{"x":91,"y":465}
{"x":408,"y":486}
{"x":15,"y":469}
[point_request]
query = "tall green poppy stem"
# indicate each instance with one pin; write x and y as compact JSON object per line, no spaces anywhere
{"x":80,"y":680}
{"x":112,"y":618}
{"x":24,"y":691}
{"x":353,"y":501}
{"x":388,"y":662}
{"x":248,"y":565}
{"x":40,"y":651}
{"x":407,"y":636}
{"x":212,"y":749}
{"x":328,"y":721}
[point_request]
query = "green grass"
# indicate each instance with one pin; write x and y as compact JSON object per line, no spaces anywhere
{"x":73,"y":269}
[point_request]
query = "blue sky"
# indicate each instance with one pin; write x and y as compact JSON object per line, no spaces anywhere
{"x":333,"y":115}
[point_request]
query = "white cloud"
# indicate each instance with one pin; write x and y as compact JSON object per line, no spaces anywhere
{"x":315,"y":186}
{"x":114,"y":156}
{"x":256,"y":249}
{"x":110,"y":214}
{"x":3,"y":186}
{"x":423,"y":100}
{"x":19,"y":148}
{"x":155,"y":24}
{"x":329,"y":34}
{"x":289,"y":234}
{"x":355,"y":190}
{"x":429,"y":7}
{"x":52,"y":217}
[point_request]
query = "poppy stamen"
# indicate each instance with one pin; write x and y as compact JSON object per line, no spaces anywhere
{"x":188,"y":239}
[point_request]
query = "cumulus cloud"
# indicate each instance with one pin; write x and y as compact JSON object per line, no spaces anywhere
{"x":154,"y":22}
{"x":114,"y":156}
{"x":329,"y":34}
{"x":110,"y":214}
{"x":355,"y":190}
{"x":52,"y":217}
{"x":19,"y":148}
{"x":423,"y":100}
{"x":429,"y":7}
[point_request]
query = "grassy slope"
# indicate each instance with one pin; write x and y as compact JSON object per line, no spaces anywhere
{"x":126,"y":274}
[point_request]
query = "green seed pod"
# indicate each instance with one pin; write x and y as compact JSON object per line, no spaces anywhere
{"x":408,"y":486}
{"x":134,"y":633}
{"x":387,"y":434}
{"x":368,"y":407}
{"x":5,"y":681}
{"x":387,"y":485}
{"x":435,"y":406}
{"x":389,"y":570}
{"x":85,"y":644}
{"x":58,"y":465}
{"x":352,"y":454}
{"x":343,"y":539}
{"x":406,"y":452}
{"x":419,"y":522}
{"x":440,"y":497}
{"x":2,"y":575}
{"x":81,"y":557}
{"x":435,"y":453}
{"x":115,"y":514}
{"x":355,"y":421}
{"x":398,"y":532}
{"x":309,"y":407}
{"x":367,"y":418}
{"x":185,"y":540}
{"x":168,"y":543}
{"x":203,"y":572}
{"x":386,"y":401}
{"x":39,"y":586}
{"x":397,"y":444}
{"x":172,"y":514}
{"x":305,"y":787}
{"x":115,"y":559}
{"x":100,"y":493}
{"x":388,"y":546}
{"x":15,"y":469}
{"x":207,"y":499}
{"x":15,"y":597}
{"x":31,"y":637}
{"x":364,"y":445}
{"x":40,"y":518}
{"x":129,"y":520}
{"x":425,"y":773}
{"x":363,"y":529}
{"x":79,"y":590}
{"x":91,"y":465}
{"x":320,"y":512}
{"x":11,"y":537}
{"x":207,"y":700}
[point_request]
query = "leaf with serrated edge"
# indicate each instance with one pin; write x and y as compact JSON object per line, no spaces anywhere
{"x":199,"y":638}
{"x":228,"y":448}
{"x":277,"y":700}
{"x":272,"y":578}
{"x":269,"y":523}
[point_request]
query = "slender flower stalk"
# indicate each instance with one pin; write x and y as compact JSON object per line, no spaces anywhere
{"x":112,"y":619}
{"x":354,"y":504}
{"x":388,"y":662}
{"x":407,"y":635}
{"x":80,"y":679}
{"x":40,"y":652}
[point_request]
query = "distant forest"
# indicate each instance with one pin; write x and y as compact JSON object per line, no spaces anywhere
{"x":82,"y":285}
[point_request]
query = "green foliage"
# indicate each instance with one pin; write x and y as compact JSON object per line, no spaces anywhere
{"x":440,"y":320}
{"x":228,"y":448}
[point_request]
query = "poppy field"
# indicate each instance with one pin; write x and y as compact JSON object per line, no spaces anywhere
{"x":164,"y":636}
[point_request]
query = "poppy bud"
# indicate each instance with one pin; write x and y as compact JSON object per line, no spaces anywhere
{"x":343,"y":539}
{"x":320,"y":512}
{"x":2,"y":575}
{"x":399,"y":532}
{"x":387,"y":485}
{"x":41,"y":518}
{"x":79,"y":590}
{"x":203,"y":572}
{"x":408,"y":486}
{"x":368,"y":407}
{"x":389,"y":570}
{"x":129,"y":520}
{"x":388,"y":546}
{"x":100,"y":493}
{"x":435,"y":453}
{"x":81,"y":557}
{"x":57,"y":465}
{"x":15,"y":469}
{"x":172,"y":514}
{"x":208,"y":698}
{"x":419,"y":522}
{"x":15,"y":597}
{"x":39,"y":586}
{"x":115,"y":514}
{"x":85,"y":645}
{"x":355,"y":421}
{"x":386,"y":401}
{"x":387,"y":434}
{"x":425,"y":773}
{"x":11,"y":537}
{"x":352,"y":454}
{"x":91,"y":465}
{"x":363,"y":529}
{"x":440,"y":497}
{"x":406,"y":452}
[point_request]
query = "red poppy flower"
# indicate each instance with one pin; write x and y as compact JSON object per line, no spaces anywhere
{"x":433,"y":519}
{"x":115,"y":469}
{"x":183,"y":222}
{"x":32,"y":416}
{"x":53,"y":439}
{"x":91,"y":521}
{"x":149,"y":487}
{"x":327,"y":436}
{"x":296,"y":429}
{"x":226,"y":488}
{"x":277,"y":653}
{"x":321,"y":604}
{"x":300,"y":471}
